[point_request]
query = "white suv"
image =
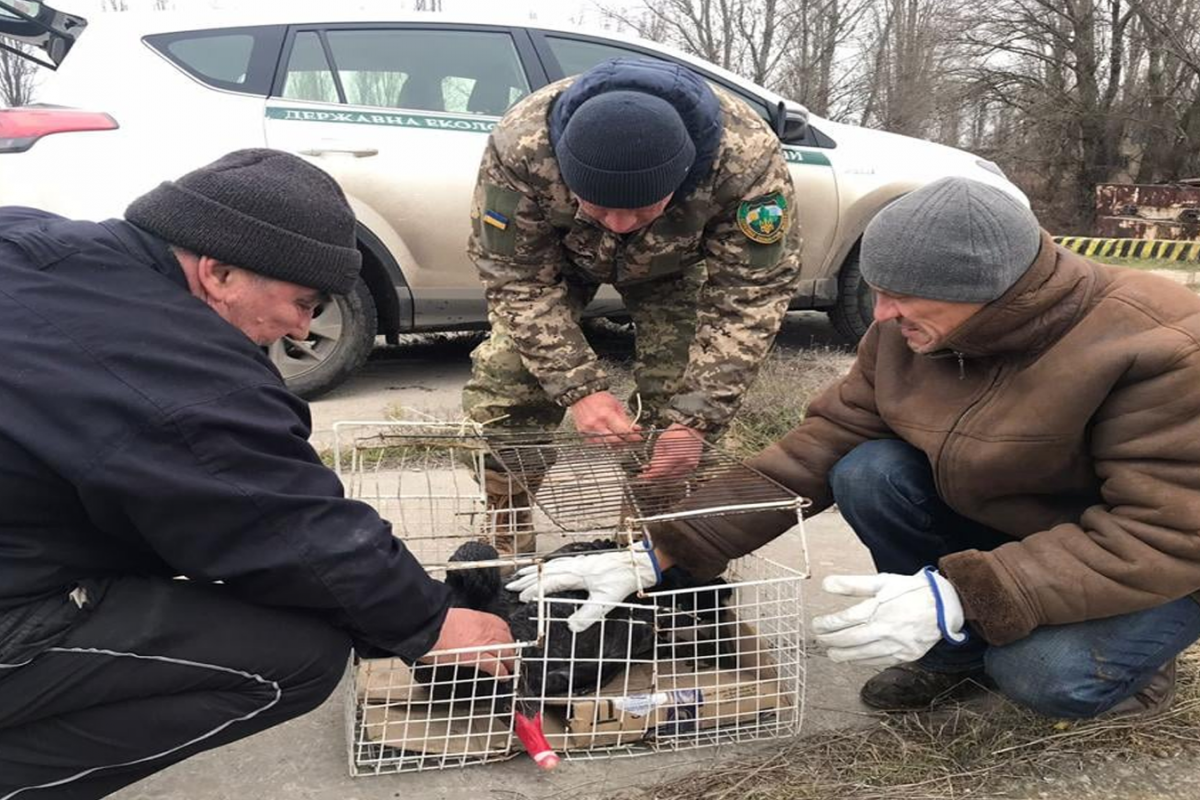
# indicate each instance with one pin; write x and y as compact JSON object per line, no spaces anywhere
{"x":397,"y":107}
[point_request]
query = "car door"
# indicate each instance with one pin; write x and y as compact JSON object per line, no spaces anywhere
{"x":400,"y":114}
{"x":808,"y":155}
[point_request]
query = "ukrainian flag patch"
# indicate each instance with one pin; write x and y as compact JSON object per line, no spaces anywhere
{"x":495,"y":220}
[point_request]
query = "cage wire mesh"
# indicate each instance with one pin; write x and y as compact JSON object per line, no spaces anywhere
{"x":689,"y":666}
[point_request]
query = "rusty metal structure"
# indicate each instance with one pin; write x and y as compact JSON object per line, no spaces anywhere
{"x":1153,"y":212}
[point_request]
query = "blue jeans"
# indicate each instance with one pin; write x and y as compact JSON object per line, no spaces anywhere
{"x":885,"y":491}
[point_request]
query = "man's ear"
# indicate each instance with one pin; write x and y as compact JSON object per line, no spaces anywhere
{"x":215,"y":277}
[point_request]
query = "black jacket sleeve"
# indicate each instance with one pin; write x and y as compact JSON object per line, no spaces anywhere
{"x":230,"y":490}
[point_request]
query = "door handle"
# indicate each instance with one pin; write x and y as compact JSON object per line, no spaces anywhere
{"x":356,"y":152}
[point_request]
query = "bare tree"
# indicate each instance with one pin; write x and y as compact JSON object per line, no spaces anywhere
{"x":1060,"y":67}
{"x":1165,"y":145}
{"x":1063,"y":94}
{"x":816,"y":69}
{"x":427,"y":5}
{"x":17,"y":77}
{"x":911,"y":46}
{"x":747,"y":38}
{"x":767,"y":32}
{"x":701,"y":27}
{"x":114,"y":5}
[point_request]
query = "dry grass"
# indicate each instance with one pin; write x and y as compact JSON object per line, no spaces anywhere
{"x":776,"y":403}
{"x":989,"y":749}
{"x":1148,"y":263}
{"x":789,"y":379}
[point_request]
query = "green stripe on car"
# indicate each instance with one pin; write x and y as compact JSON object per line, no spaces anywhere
{"x":468,"y":124}
{"x":452,"y":122}
{"x":796,"y":156}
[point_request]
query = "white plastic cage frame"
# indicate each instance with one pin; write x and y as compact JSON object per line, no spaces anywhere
{"x":680,"y":668}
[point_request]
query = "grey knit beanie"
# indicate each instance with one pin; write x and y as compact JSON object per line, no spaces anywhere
{"x":624,"y":149}
{"x":954,"y":239}
{"x":264,"y":210}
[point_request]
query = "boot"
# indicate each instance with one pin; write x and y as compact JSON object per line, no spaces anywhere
{"x":909,"y":687}
{"x":1153,"y":699}
{"x":509,"y":521}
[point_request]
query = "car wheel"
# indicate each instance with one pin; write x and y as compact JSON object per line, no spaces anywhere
{"x":855,"y":308}
{"x":339,"y":340}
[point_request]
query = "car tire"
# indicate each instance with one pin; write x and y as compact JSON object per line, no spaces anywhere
{"x":340,"y":338}
{"x":855,"y":308}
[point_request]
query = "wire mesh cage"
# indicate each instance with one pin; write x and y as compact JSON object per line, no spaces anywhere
{"x":584,"y":483}
{"x":670,"y":668}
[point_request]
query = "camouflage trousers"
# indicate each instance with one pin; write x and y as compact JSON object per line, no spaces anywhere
{"x":663,"y":313}
{"x":502,"y":389}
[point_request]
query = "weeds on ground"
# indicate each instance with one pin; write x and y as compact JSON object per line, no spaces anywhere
{"x":968,"y":750}
{"x":787,"y":382}
{"x":1148,"y":263}
{"x":403,"y":446}
{"x":776,"y":403}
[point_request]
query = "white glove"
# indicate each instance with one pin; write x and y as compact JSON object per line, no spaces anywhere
{"x":608,"y":577}
{"x":905,"y":616}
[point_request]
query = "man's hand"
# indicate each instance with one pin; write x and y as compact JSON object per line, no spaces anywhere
{"x":602,"y":413}
{"x":607,"y":577}
{"x":676,"y":454}
{"x":466,"y":628}
{"x":900,"y":622}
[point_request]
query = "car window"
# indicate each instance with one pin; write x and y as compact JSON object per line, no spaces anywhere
{"x":465,"y":72}
{"x":223,"y":58}
{"x":578,"y":55}
{"x":237,"y":59}
{"x":309,"y":76}
{"x":811,"y":137}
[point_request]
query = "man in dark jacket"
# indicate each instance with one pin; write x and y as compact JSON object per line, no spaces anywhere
{"x":637,"y":174}
{"x":145,"y":436}
{"x":1027,"y":422}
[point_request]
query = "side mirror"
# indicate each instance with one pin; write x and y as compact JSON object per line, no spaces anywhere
{"x":779,"y":118}
{"x":789,"y":124}
{"x":795,"y":128}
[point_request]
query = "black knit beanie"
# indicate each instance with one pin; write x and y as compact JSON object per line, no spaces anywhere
{"x":264,"y":210}
{"x":624,"y":149}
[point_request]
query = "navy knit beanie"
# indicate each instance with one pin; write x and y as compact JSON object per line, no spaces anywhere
{"x":263,"y":210}
{"x":624,"y":149}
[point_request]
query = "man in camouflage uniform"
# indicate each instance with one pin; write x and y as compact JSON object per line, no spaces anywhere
{"x":638,"y":174}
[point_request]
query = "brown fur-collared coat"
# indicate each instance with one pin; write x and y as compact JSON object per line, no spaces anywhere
{"x":1065,"y":414}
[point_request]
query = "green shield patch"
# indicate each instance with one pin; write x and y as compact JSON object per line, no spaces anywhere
{"x":764,"y":219}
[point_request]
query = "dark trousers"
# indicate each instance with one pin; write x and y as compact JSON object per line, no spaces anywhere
{"x":885,"y":490}
{"x":158,"y":671}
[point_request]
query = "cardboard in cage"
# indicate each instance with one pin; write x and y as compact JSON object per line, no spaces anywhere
{"x":659,"y":701}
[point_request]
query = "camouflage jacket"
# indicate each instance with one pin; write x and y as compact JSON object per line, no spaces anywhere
{"x":545,"y":239}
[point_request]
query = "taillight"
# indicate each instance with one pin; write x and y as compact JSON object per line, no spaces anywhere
{"x":21,"y":127}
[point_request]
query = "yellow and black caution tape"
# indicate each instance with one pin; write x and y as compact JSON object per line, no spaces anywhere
{"x":1132,"y":248}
